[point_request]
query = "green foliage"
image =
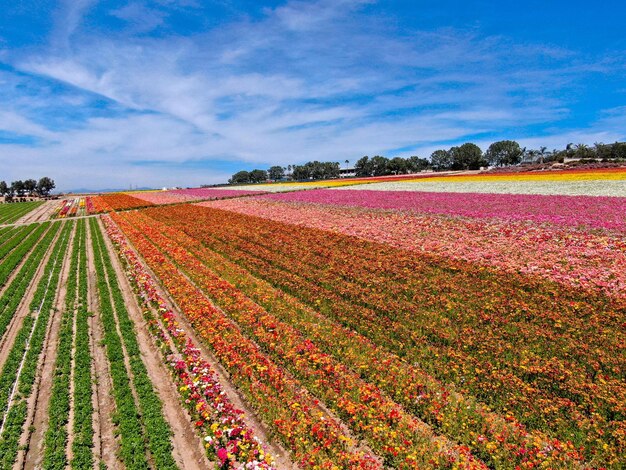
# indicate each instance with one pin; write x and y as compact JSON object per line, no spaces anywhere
{"x":45,"y":185}
{"x":441,"y":160}
{"x":276,"y":173}
{"x":503,"y":153}
{"x":142,"y":428}
{"x":468,"y":156}
{"x":241,"y":177}
{"x":27,"y":348}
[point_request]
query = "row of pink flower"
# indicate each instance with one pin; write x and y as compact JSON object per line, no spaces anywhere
{"x":233,"y":443}
{"x":194,"y":194}
{"x":571,"y":256}
{"x":590,"y":211}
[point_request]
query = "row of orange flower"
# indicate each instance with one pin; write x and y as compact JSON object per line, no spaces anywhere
{"x":293,"y":414}
{"x":546,"y":355}
{"x":226,"y":434}
{"x":394,"y":434}
{"x":115,"y":202}
{"x":491,"y":436}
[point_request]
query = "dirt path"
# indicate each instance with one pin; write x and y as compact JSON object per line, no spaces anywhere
{"x":42,"y":213}
{"x":23,"y":309}
{"x":281,"y":455}
{"x":106,"y":445}
{"x":37,"y":421}
{"x":188,"y":450}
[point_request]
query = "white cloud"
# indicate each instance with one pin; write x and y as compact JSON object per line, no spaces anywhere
{"x":309,"y":80}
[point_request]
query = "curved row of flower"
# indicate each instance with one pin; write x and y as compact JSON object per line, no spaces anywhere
{"x":192,"y":194}
{"x":494,"y":438}
{"x":549,"y":355}
{"x":587,"y":182}
{"x":394,"y":434}
{"x":296,"y":417}
{"x":576,"y":258}
{"x":589,"y":211}
{"x":225,"y":431}
{"x":117,"y":201}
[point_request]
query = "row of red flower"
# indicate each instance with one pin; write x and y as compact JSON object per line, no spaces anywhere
{"x":548,"y":355}
{"x":488,"y":434}
{"x":296,"y":417}
{"x":394,"y":434}
{"x":225,"y":431}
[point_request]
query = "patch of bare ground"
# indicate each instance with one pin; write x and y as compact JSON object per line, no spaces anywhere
{"x":40,"y":214}
{"x":106,"y":445}
{"x":280,"y":454}
{"x":23,"y":309}
{"x":37,"y":418}
{"x":188,"y":450}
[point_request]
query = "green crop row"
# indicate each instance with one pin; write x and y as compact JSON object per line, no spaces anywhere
{"x":14,"y":293}
{"x":13,"y":237}
{"x":15,"y":257}
{"x":9,"y":213}
{"x":140,"y":430}
{"x":25,"y":353}
{"x":55,"y":441}
{"x":83,"y":407}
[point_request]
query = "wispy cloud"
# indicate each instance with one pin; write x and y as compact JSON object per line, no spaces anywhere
{"x":304,"y":80}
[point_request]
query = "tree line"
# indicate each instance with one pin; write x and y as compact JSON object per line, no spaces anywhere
{"x":468,"y":156}
{"x":29,"y":187}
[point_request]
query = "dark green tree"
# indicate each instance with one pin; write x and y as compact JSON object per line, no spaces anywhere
{"x":241,"y":177}
{"x":45,"y":185}
{"x":504,"y":153}
{"x":363,"y":166}
{"x":276,"y":172}
{"x":30,"y":186}
{"x":4,"y":188}
{"x":258,"y":176}
{"x":468,"y":156}
{"x":380,"y":165}
{"x":17,"y":187}
{"x":416,"y":164}
{"x":441,"y":160}
{"x":331,"y":170}
{"x":301,"y":172}
{"x":397,"y":166}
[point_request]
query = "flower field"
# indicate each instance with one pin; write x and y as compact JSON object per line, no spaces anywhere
{"x":187,"y":195}
{"x":116,"y":202}
{"x":332,"y":328}
{"x":573,"y":211}
{"x":522,"y":350}
{"x":573,"y":183}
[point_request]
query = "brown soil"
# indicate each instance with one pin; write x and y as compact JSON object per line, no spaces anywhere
{"x":40,"y":214}
{"x":280,"y":454}
{"x":37,"y":420}
{"x":188,"y":450}
{"x":106,"y":445}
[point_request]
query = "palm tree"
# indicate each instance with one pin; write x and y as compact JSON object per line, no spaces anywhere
{"x":542,"y":152}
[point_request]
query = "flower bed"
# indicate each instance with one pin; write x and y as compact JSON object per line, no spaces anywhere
{"x":593,"y":212}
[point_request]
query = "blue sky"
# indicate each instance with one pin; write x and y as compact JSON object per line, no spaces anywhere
{"x":185,"y":92}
